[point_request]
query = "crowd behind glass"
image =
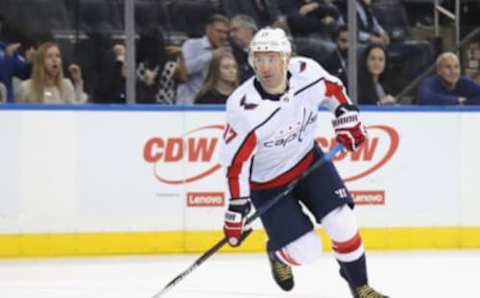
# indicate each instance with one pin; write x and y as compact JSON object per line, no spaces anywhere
{"x":191,"y":52}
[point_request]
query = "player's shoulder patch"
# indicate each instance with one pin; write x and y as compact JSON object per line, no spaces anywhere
{"x":305,"y":67}
{"x":243,"y":98}
{"x":247,"y":105}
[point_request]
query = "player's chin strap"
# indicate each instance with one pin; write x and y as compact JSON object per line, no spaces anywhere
{"x":259,"y":212}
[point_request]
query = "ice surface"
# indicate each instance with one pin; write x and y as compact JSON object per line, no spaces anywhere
{"x":400,"y":275}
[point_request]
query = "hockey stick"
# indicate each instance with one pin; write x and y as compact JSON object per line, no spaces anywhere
{"x":259,"y":212}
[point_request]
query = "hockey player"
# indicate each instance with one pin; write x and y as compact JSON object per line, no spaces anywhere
{"x":268,"y":141}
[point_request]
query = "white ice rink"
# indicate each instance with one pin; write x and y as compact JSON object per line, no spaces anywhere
{"x":400,"y":275}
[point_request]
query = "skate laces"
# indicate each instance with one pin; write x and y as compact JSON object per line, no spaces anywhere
{"x":367,"y":292}
{"x":283,"y":271}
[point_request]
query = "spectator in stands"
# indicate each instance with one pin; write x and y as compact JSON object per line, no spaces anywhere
{"x":369,"y":29}
{"x":242,"y":29}
{"x":111,"y":87}
{"x":336,"y":62}
{"x":90,"y":52}
{"x":408,"y":57}
{"x":221,"y":81}
{"x":47,"y":84}
{"x":372,"y":75}
{"x":159,"y":68}
{"x":447,"y":86}
{"x":264,"y":12}
{"x":12,"y":63}
{"x":305,"y":17}
{"x":198,"y":53}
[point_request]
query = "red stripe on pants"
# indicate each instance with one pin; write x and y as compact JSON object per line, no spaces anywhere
{"x":347,"y":246}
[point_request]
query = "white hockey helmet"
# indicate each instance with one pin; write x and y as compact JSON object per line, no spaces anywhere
{"x":269,"y":39}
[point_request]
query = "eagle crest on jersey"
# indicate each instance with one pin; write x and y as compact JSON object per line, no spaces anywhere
{"x":246,"y":105}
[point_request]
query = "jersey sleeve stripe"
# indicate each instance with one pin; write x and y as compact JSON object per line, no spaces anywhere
{"x":242,"y":155}
{"x":335,"y":90}
{"x":287,"y":176}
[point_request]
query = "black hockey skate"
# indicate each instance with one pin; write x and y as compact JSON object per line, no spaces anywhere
{"x":282,"y":273}
{"x":366,"y":292}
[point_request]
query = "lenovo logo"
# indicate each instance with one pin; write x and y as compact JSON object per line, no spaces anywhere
{"x":368,"y":197}
{"x":205,"y":199}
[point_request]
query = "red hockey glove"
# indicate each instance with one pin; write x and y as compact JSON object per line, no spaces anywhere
{"x":350,"y":131}
{"x":238,"y":208}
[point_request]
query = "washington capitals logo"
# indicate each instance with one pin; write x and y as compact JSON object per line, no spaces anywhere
{"x":247,"y":106}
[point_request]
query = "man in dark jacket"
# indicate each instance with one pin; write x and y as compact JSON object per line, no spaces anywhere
{"x":447,"y":86}
{"x":242,"y":30}
{"x":336,"y":62}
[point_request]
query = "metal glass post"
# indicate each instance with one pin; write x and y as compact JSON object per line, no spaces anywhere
{"x":457,"y":26}
{"x":436,"y":18}
{"x":352,"y":50}
{"x":130,"y":48}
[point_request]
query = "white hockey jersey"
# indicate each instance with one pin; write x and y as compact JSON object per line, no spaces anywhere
{"x":268,"y":141}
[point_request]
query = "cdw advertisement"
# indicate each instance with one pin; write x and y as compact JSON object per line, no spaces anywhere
{"x":197,"y":150}
{"x":157,"y":170}
{"x":388,"y":173}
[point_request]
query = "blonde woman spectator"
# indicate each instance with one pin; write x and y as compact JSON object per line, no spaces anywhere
{"x":222,"y":79}
{"x":47,"y":84}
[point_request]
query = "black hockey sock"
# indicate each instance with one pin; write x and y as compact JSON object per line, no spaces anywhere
{"x":355,"y":273}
